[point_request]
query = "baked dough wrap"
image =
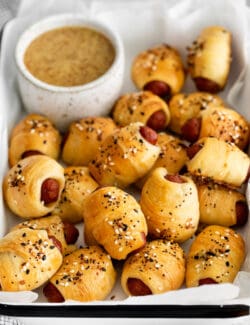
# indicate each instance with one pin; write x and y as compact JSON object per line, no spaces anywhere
{"x":28,"y":259}
{"x":173,"y":156}
{"x":114,"y":220}
{"x":78,"y":185}
{"x":215,"y":256}
{"x":218,"y":205}
{"x":171,"y":209}
{"x":87,"y":274}
{"x":220,"y":162}
{"x":54,"y":227}
{"x":33,"y":134}
{"x":160,"y":266}
{"x":209,"y":59}
{"x":23,"y":183}
{"x":84,"y":138}
{"x":123,"y":157}
{"x":225,"y":124}
{"x":140,"y":107}
{"x":183,"y":107}
{"x":160,"y":63}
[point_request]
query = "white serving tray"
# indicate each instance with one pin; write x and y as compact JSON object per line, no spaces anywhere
{"x":141,"y":24}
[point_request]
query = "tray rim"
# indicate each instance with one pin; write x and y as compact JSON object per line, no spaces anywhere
{"x":126,"y":311}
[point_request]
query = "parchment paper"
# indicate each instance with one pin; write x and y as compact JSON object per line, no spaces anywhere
{"x":141,"y":24}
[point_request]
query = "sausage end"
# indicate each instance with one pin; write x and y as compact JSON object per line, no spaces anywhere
{"x":52,"y":293}
{"x":137,"y":287}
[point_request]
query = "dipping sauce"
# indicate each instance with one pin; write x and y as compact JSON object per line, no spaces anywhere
{"x":69,"y":56}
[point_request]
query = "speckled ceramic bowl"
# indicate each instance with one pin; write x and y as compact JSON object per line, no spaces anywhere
{"x":66,"y":104}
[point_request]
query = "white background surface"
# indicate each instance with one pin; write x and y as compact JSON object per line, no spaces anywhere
{"x":118,"y":321}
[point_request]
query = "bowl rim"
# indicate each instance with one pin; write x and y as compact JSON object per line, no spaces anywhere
{"x":64,"y":20}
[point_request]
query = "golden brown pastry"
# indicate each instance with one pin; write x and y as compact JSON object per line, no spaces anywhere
{"x":209,"y":59}
{"x":84,"y":138}
{"x":215,"y":256}
{"x":219,"y":122}
{"x":173,"y":155}
{"x":170,"y":205}
{"x":218,"y":161}
{"x":160,"y":70}
{"x":78,"y":185}
{"x":33,"y":186}
{"x":143,"y":107}
{"x":34,"y":134}
{"x":184,"y":107}
{"x":28,"y":259}
{"x":64,"y":233}
{"x":158,"y":267}
{"x":225,"y":124}
{"x":114,"y":220}
{"x":87,"y":274}
{"x":221,"y":206}
{"x":125,"y":156}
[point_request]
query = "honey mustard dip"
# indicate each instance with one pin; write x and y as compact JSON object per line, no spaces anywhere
{"x":69,"y":56}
